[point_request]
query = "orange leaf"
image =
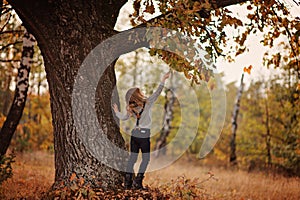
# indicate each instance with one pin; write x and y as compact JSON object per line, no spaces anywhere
{"x":73,"y":176}
{"x":81,"y":181}
{"x":187,"y":75}
{"x":298,"y":87}
{"x":248,"y":69}
{"x":150,"y":8}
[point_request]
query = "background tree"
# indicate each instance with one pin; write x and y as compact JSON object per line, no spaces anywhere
{"x":167,"y":119}
{"x":234,"y":120}
{"x":17,"y":107}
{"x":10,"y":47}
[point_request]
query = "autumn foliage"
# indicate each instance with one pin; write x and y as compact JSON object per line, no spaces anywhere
{"x":268,"y":137}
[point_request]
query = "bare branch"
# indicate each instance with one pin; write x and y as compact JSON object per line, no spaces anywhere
{"x":7,"y":21}
{"x":1,"y":7}
{"x":297,"y":3}
{"x":7,"y":10}
{"x":211,"y":41}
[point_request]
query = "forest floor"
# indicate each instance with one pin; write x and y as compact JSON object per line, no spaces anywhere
{"x":34,"y":174}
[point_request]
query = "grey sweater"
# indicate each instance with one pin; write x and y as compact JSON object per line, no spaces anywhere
{"x":145,"y":120}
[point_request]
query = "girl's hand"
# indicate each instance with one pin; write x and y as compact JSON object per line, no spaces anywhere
{"x":115,"y":108}
{"x":166,"y":76}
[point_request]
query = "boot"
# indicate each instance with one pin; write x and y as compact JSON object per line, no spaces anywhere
{"x":138,"y":182}
{"x":128,"y":181}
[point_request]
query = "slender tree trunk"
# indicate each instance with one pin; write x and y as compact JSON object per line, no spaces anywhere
{"x":38,"y":117}
{"x":7,"y":95}
{"x":168,"y":116}
{"x":233,"y":157}
{"x":17,"y":107}
{"x":268,"y":134}
{"x":291,"y":131}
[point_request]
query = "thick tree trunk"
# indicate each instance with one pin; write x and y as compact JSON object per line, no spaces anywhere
{"x":236,"y":109}
{"x":66,"y":32}
{"x":17,"y":107}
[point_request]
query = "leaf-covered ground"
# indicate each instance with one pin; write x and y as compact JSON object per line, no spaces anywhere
{"x":34,"y":174}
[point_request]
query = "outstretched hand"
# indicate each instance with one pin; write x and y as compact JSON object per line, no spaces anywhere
{"x":166,"y":76}
{"x":115,"y":108}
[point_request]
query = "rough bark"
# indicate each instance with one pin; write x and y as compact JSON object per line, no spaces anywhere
{"x":236,"y":109}
{"x":66,"y":33}
{"x":17,"y":107}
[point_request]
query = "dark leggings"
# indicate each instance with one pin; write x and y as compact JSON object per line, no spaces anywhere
{"x":139,"y":140}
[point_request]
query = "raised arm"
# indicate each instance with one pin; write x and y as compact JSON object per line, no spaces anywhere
{"x":156,"y":94}
{"x":120,"y":115}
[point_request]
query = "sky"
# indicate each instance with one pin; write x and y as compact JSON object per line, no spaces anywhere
{"x":233,"y":71}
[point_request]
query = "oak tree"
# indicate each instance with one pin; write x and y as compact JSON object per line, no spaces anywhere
{"x":67,"y":31}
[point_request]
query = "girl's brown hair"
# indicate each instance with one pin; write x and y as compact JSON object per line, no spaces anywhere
{"x":134,"y":98}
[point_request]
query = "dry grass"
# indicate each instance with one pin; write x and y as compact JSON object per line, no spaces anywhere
{"x":34,"y":174}
{"x":229,"y":184}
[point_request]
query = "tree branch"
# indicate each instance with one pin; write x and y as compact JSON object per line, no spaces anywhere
{"x":289,"y":35}
{"x":297,"y":3}
{"x":1,"y":60}
{"x":7,"y":21}
{"x":215,"y":4}
{"x":12,"y":32}
{"x":211,"y":41}
{"x":10,"y":44}
{"x":1,"y":7}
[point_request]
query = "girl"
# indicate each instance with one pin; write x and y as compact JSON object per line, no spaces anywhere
{"x":139,"y":107}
